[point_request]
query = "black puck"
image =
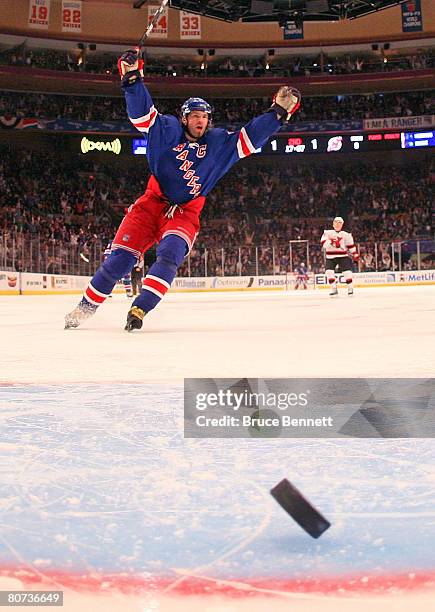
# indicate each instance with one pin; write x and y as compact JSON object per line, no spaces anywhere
{"x":299,"y":508}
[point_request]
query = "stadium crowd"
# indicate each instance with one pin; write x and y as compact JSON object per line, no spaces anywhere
{"x":66,"y":206}
{"x":85,"y":59}
{"x":225,"y":111}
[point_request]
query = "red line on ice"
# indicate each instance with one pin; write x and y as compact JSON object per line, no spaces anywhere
{"x":96,"y":582}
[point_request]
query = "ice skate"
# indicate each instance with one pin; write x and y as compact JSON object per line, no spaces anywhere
{"x":334,"y":291}
{"x":80,"y":313}
{"x":134,"y":318}
{"x":350,"y":290}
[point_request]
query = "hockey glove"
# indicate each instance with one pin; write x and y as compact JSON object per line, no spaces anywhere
{"x":286,"y":102}
{"x":355,"y":257}
{"x":130,"y":67}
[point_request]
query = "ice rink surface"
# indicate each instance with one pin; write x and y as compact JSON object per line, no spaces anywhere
{"x":100,"y":493}
{"x":376,"y":332}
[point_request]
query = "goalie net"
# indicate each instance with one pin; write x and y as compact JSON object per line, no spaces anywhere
{"x":298,"y":254}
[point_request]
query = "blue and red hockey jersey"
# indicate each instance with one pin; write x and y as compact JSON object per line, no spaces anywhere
{"x":183,"y":169}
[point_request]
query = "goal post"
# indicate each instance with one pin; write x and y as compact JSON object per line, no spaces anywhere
{"x":299,"y":251}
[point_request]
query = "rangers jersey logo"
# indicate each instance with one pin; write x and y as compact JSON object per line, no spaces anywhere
{"x":189,"y":174}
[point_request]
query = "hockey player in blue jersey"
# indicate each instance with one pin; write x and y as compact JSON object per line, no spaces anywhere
{"x":301,"y":272}
{"x":126,"y":280}
{"x":186,"y":160}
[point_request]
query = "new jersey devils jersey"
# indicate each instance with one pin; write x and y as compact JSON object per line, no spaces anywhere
{"x":183,"y":169}
{"x":337,"y":244}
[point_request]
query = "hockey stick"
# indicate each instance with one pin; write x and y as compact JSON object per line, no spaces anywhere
{"x":150,"y":28}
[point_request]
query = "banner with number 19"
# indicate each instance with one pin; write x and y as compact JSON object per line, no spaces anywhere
{"x":39,"y":14}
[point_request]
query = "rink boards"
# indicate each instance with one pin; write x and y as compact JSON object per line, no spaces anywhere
{"x":26,"y":283}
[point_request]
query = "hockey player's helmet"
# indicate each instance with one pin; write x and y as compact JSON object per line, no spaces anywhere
{"x":193,"y":104}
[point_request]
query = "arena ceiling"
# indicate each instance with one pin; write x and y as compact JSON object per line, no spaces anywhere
{"x":280,"y":11}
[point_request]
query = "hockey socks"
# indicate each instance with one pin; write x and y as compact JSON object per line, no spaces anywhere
{"x":126,"y":281}
{"x":170,"y":254}
{"x":116,"y":266}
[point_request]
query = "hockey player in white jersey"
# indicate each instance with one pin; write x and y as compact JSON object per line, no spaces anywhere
{"x":340,"y":251}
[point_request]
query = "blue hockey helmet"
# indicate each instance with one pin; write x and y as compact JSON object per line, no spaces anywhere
{"x":193,"y":104}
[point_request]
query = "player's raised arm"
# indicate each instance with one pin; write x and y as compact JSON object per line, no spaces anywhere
{"x":255,"y":133}
{"x":140,"y":106}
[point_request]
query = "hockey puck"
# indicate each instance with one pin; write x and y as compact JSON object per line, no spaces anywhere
{"x":299,"y":508}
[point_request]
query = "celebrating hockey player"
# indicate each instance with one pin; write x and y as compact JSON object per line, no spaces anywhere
{"x":186,"y":160}
{"x":340,"y":250}
{"x":126,"y":280}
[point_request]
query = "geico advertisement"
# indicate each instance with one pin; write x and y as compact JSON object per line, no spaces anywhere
{"x":373,"y":278}
{"x":367,"y":278}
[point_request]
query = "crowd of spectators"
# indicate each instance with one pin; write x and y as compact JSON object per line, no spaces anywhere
{"x":67,"y":206}
{"x":228,"y":112}
{"x":92,"y":61}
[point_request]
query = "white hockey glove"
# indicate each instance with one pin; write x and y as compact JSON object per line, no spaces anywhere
{"x":286,"y":102}
{"x":130,"y":67}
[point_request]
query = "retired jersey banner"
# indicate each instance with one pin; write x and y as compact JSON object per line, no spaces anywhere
{"x":39,"y":14}
{"x":161,"y":28}
{"x":190,"y":25}
{"x":412,"y":20}
{"x":71,"y":16}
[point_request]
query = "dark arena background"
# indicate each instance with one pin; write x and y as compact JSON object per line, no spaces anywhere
{"x":107,"y":492}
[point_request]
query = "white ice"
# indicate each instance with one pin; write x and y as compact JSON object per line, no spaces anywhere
{"x":98,"y":475}
{"x":377,"y":332}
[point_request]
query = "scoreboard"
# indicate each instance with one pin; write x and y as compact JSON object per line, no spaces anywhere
{"x":347,"y":143}
{"x":414,"y":140}
{"x":280,"y":144}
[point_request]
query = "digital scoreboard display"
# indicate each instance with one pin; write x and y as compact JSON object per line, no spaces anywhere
{"x":333,"y":143}
{"x":139,"y":146}
{"x":415,"y":140}
{"x":330,"y":144}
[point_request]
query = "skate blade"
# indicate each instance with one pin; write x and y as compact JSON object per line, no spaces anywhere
{"x":130,"y":329}
{"x":71,"y":324}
